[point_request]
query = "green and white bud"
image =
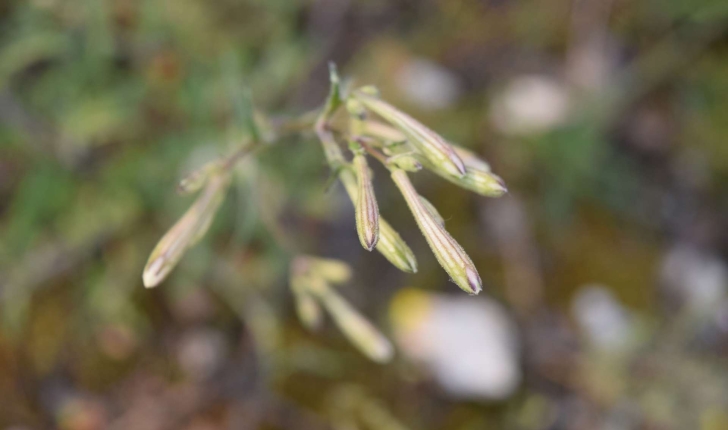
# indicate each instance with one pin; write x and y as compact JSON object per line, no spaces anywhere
{"x":432,"y":145}
{"x":448,"y":252}
{"x":484,"y":183}
{"x":186,"y":232}
{"x":478,"y":176}
{"x":356,"y":328}
{"x":480,"y":181}
{"x":433,"y":211}
{"x":367,"y":210}
{"x":390,"y":244}
{"x":406,"y":162}
{"x":395,"y":249}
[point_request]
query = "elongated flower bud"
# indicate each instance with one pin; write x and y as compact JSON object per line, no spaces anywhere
{"x":434,"y":147}
{"x":484,"y":183}
{"x":394,"y":249}
{"x":448,"y":252}
{"x":476,"y":179}
{"x":390,"y":244}
{"x":186,"y":232}
{"x":433,"y":211}
{"x":357,"y":329}
{"x":367,"y":211}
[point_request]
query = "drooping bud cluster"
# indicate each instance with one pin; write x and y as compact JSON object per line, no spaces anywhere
{"x":311,"y":280}
{"x":401,"y":144}
{"x":406,"y":146}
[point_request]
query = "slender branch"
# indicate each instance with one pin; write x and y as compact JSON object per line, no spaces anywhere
{"x":373,"y":152}
{"x":239,"y":153}
{"x":279,"y":127}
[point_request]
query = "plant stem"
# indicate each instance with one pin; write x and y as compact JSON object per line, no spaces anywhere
{"x":373,"y":152}
{"x":280,"y":127}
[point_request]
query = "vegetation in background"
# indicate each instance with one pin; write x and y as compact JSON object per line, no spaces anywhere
{"x":605,"y":118}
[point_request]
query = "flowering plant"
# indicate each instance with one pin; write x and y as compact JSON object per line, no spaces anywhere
{"x":372,"y":128}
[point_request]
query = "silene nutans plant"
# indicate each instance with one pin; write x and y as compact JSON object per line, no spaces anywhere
{"x":375,"y":132}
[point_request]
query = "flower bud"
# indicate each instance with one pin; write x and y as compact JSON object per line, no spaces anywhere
{"x":395,"y":249}
{"x":448,"y":252}
{"x":186,"y":232}
{"x":433,"y":211}
{"x":482,"y":182}
{"x":390,"y":244}
{"x":405,"y":162}
{"x":476,"y":179}
{"x":432,"y":146}
{"x":367,"y":211}
{"x":357,"y":329}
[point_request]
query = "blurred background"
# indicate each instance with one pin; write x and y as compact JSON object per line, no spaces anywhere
{"x":605,"y":274}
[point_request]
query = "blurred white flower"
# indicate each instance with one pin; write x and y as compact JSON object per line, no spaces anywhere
{"x":699,"y":279}
{"x":602,"y":319}
{"x":428,"y":85}
{"x":469,"y":344}
{"x":530,"y":104}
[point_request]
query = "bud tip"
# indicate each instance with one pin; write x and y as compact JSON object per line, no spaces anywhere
{"x":473,"y":280}
{"x":502,"y":183}
{"x":371,"y":242}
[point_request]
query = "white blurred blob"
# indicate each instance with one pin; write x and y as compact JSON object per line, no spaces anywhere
{"x":530,"y":104}
{"x":469,"y":344}
{"x":201,"y":352}
{"x":602,"y":319}
{"x":593,"y":62}
{"x":428,"y":85}
{"x":699,"y":279}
